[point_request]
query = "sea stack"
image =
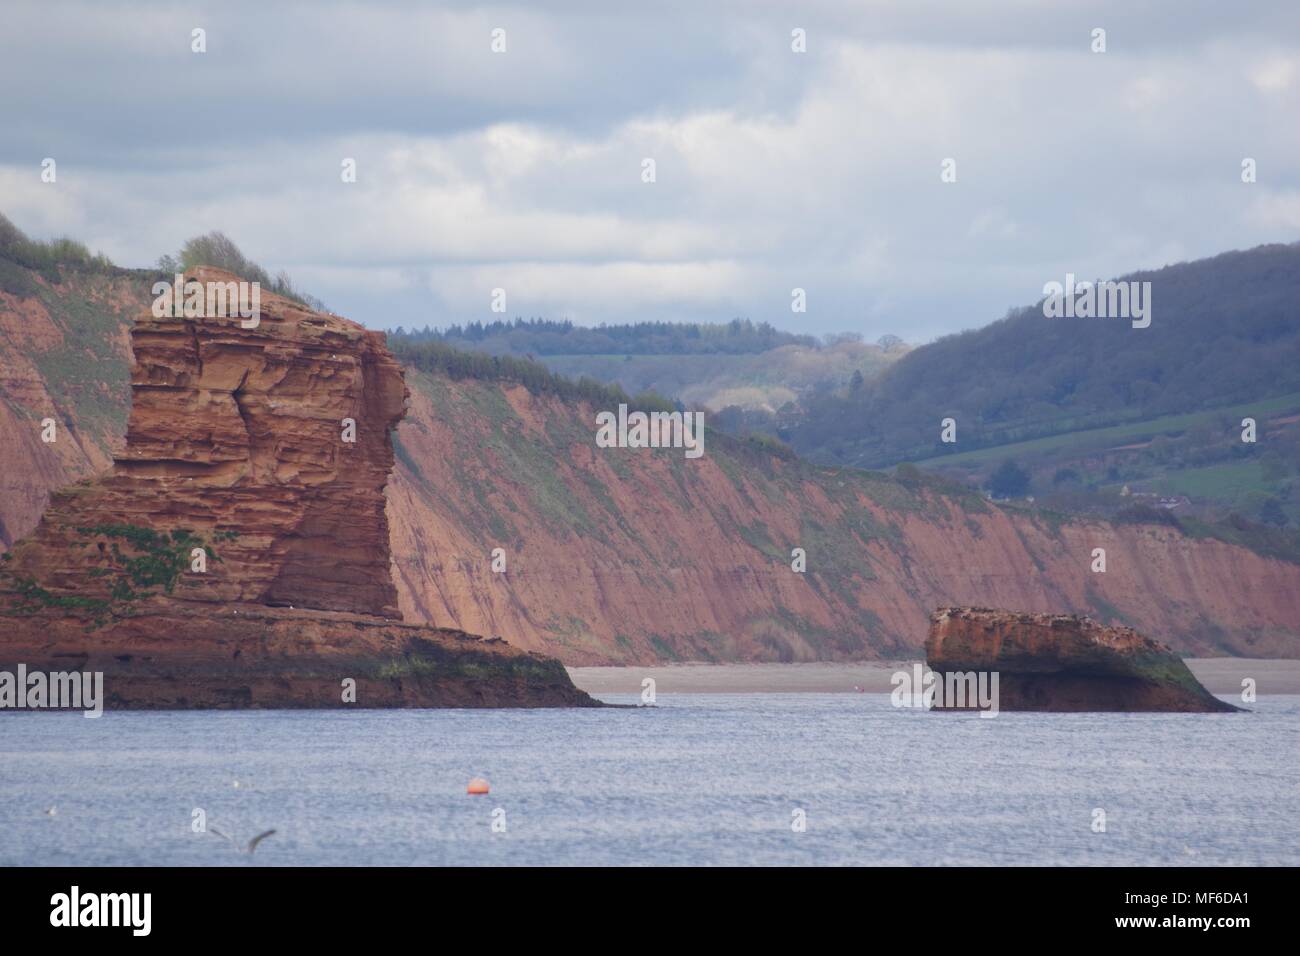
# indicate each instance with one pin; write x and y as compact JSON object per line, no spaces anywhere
{"x":1062,"y":662}
{"x":237,"y":555}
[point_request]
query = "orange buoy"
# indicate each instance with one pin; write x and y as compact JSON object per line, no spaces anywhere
{"x":477,"y":785}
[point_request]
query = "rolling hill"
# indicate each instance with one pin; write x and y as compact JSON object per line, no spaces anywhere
{"x":736,"y":365}
{"x":1095,"y":405}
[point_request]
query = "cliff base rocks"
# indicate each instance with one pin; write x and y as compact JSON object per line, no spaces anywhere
{"x":1059,"y":662}
{"x":165,"y":657}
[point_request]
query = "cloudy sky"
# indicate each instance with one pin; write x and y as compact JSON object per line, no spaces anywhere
{"x":774,"y":169}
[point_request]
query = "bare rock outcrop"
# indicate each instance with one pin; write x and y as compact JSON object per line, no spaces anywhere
{"x":238,"y":552}
{"x":1064,"y":662}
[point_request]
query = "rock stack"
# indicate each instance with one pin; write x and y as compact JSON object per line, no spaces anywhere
{"x":237,"y":554}
{"x":1063,"y":662}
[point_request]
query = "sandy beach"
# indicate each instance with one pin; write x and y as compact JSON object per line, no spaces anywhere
{"x":1221,"y":675}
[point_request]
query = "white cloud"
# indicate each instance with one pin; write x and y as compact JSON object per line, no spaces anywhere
{"x":1276,"y":74}
{"x":773,"y":169}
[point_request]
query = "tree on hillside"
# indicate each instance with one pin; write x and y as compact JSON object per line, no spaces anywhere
{"x":1272,"y":513}
{"x":1009,"y":480}
{"x":549,"y":337}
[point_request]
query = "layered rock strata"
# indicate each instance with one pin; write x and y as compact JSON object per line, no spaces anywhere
{"x":237,"y":554}
{"x":1063,"y":662}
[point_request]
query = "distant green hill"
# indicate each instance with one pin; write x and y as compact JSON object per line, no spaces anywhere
{"x":1224,"y":330}
{"x":1090,"y":406}
{"x":740,"y":364}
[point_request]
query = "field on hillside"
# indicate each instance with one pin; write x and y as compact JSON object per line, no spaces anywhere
{"x":1079,"y":442}
{"x":763,"y":380}
{"x":1195,"y":464}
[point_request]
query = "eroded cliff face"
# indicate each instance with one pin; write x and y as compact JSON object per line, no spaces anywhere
{"x":612,"y":555}
{"x":247,"y":503}
{"x":238,"y":435}
{"x":1061,"y":662}
{"x":65,"y":355}
{"x":640,"y":555}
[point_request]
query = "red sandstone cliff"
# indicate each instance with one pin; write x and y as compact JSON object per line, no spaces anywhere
{"x":238,"y":431}
{"x":238,"y":492}
{"x":619,"y":555}
{"x":65,"y":354}
{"x":636,"y":555}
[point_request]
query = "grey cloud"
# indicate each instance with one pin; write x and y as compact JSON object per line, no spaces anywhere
{"x":774,"y":170}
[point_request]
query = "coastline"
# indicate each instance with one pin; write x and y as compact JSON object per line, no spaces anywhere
{"x":1220,"y":675}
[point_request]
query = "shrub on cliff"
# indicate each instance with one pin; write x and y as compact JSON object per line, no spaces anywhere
{"x":45,"y":258}
{"x":218,"y":250}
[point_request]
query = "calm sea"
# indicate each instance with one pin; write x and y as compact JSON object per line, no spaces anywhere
{"x":698,"y":779}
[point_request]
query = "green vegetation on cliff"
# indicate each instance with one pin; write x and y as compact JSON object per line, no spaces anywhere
{"x":136,"y":563}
